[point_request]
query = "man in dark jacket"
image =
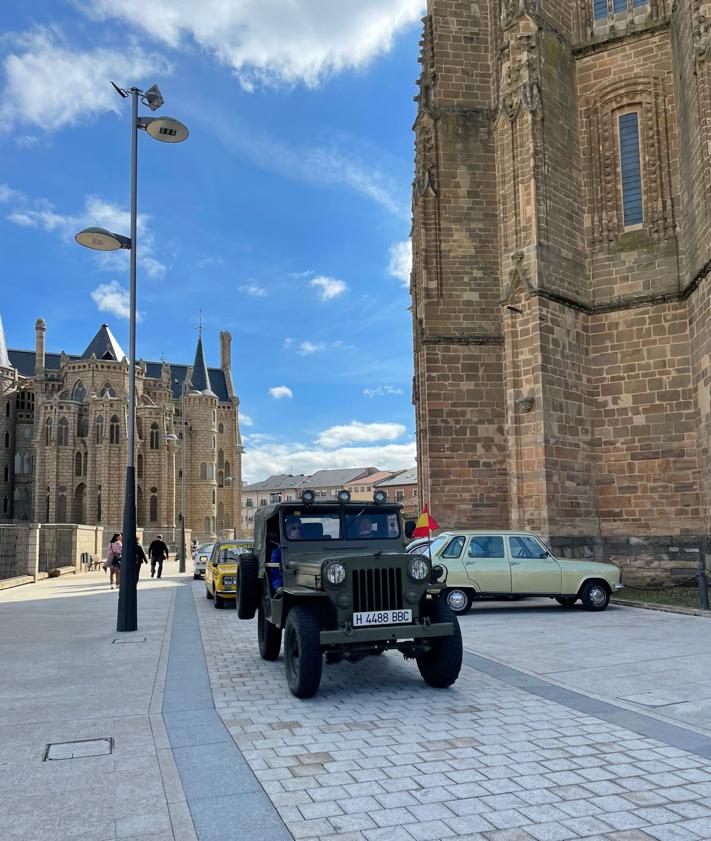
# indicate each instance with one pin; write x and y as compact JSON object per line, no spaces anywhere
{"x":159,"y":553}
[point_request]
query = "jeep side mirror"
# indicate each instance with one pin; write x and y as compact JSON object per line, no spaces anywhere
{"x":410,"y":526}
{"x":437,"y":572}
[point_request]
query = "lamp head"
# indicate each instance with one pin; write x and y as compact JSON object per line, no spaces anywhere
{"x":102,"y":240}
{"x":167,"y":129}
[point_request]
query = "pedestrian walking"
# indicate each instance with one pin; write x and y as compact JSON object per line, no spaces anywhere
{"x":113,"y":559}
{"x":140,"y":559}
{"x":158,"y":552}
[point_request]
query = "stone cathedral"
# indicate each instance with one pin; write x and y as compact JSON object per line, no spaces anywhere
{"x":560,"y":284}
{"x":63,"y":438}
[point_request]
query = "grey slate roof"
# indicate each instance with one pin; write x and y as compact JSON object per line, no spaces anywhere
{"x":104,"y":346}
{"x":276,"y":482}
{"x":407,"y":477}
{"x":24,"y":361}
{"x":200,"y":378}
{"x":336,"y":478}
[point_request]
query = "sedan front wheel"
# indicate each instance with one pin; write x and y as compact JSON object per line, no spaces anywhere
{"x":595,"y":596}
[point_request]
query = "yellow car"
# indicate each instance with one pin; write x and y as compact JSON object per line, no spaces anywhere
{"x":517,"y":563}
{"x":221,"y":570}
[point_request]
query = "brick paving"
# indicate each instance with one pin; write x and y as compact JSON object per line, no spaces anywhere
{"x":380,"y":756}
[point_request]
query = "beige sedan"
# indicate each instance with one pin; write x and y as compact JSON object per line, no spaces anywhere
{"x":517,"y":563}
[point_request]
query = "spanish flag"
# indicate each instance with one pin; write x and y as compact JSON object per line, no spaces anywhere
{"x":425,"y":524}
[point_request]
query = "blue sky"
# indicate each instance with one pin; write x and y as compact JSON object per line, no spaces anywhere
{"x":284,"y":218}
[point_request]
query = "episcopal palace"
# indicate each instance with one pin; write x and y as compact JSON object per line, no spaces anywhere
{"x":63,"y":433}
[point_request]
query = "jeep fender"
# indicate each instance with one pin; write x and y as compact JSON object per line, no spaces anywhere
{"x":291,"y":597}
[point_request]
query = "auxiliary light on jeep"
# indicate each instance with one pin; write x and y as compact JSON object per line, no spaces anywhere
{"x":344,"y":497}
{"x":307,"y":497}
{"x":379,"y":497}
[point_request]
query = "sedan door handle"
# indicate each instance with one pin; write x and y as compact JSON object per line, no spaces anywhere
{"x":515,"y":563}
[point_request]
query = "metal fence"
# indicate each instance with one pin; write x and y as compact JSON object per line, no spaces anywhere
{"x":13,"y":551}
{"x":55,"y":547}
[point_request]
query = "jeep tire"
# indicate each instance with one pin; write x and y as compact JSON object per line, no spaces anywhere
{"x":440,"y":666}
{"x":268,"y":635}
{"x":247,"y":586}
{"x":302,"y":652}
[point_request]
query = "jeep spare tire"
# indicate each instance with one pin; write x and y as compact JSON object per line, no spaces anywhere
{"x":247,"y":586}
{"x":440,"y":666}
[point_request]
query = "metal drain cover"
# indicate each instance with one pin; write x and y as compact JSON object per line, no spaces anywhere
{"x":120,"y":640}
{"x":76,"y":750}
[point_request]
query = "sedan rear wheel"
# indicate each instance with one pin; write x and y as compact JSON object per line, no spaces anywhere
{"x":595,"y":596}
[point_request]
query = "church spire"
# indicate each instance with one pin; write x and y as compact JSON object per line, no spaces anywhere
{"x":200,"y":377}
{"x":4,"y":358}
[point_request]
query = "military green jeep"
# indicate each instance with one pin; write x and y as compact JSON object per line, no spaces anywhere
{"x":335,"y":579}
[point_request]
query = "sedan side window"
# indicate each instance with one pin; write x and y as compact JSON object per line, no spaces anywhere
{"x":485,"y":546}
{"x":454,"y":550}
{"x":523,"y":546}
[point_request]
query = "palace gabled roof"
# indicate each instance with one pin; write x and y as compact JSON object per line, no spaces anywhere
{"x":104,"y":346}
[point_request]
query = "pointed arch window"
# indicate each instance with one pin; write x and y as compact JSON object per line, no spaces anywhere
{"x":203,"y":471}
{"x":221,"y":478}
{"x":61,"y":508}
{"x":154,"y":436}
{"x":84,"y":428}
{"x":63,"y":432}
{"x":6,"y":473}
{"x":631,"y":169}
{"x":140,"y":465}
{"x":77,"y":464}
{"x":114,"y":430}
{"x":18,"y":463}
{"x":108,"y":391}
{"x":79,"y":393}
{"x":211,"y":472}
{"x":228,"y":474}
{"x":221,"y":428}
{"x":221,"y":458}
{"x":221,"y":516}
{"x":100,"y":429}
{"x":153,"y":512}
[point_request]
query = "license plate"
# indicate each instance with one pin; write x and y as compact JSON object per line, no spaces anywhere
{"x":382,"y":617}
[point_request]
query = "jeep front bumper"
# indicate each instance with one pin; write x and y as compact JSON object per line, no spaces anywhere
{"x":386,"y":633}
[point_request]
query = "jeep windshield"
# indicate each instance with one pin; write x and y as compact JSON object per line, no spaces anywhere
{"x":354,"y":524}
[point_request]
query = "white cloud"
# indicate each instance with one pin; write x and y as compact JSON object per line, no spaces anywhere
{"x":272,"y":42}
{"x":265,"y":458}
{"x":41,"y":213}
{"x":382,"y":391}
{"x":254,"y":290}
{"x":400,"y":261}
{"x":245,"y":420}
{"x":113,"y":298}
{"x":306,"y":348}
{"x":328,"y":287}
{"x":49,"y":85}
{"x":356,"y":432}
{"x":279,"y":392}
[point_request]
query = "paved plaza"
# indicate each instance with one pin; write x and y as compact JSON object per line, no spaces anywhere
{"x":553,"y":731}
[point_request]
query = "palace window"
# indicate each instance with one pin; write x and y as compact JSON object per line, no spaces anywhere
{"x":227,"y":470}
{"x":220,"y":478}
{"x":221,"y":428}
{"x":211,"y":472}
{"x":7,"y":409}
{"x":79,"y":393}
{"x":114,"y":430}
{"x":630,"y":169}
{"x":154,"y":436}
{"x":6,"y":473}
{"x":63,"y":432}
{"x":108,"y":391}
{"x":84,"y":428}
{"x":207,"y":524}
{"x":221,"y":458}
{"x":203,"y":471}
{"x":100,"y":429}
{"x":140,"y":466}
{"x":77,"y":464}
{"x":153,"y":514}
{"x":61,"y":509}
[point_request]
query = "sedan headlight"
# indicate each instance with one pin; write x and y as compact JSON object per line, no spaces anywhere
{"x":418,"y":568}
{"x":228,"y":580}
{"x":335,"y":572}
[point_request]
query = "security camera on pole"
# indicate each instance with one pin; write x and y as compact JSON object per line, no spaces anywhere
{"x":167,"y":130}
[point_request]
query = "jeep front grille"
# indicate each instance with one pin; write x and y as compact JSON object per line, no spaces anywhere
{"x":377,"y":589}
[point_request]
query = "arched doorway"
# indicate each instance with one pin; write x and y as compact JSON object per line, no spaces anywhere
{"x":79,"y":504}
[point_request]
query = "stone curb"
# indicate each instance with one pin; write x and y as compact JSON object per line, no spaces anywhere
{"x":665,"y":608}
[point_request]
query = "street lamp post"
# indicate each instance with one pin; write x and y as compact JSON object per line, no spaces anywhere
{"x":168,"y":130}
{"x":183,"y":547}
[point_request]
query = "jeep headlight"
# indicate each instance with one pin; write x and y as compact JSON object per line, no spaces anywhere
{"x":418,"y":568}
{"x":335,"y":572}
